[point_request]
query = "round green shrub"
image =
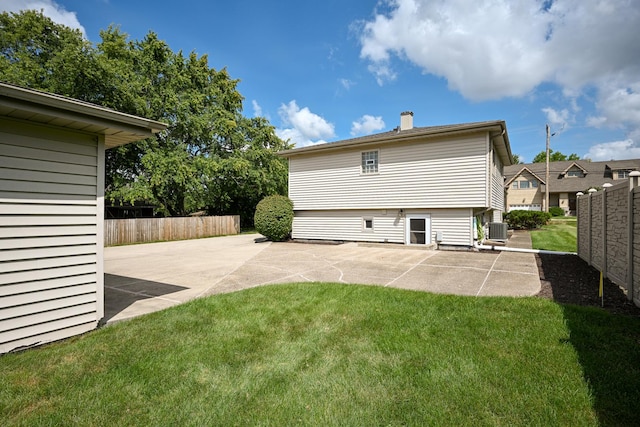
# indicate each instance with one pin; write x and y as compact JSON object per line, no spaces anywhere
{"x":274,"y":217}
{"x":556,"y":211}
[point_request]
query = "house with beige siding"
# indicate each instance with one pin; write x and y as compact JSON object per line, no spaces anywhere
{"x":412,"y":185}
{"x":525,"y":183}
{"x":52,"y":157}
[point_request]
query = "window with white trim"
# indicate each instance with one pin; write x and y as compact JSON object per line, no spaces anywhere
{"x":367,"y":224}
{"x":575,"y":174}
{"x":622,"y":174}
{"x":515,"y":185}
{"x":370,"y":161}
{"x":524,"y":184}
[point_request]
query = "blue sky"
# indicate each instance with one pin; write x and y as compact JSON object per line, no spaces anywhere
{"x":322,"y":71}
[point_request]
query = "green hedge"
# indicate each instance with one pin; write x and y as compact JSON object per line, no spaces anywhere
{"x":526,"y":220}
{"x":556,"y":211}
{"x":274,"y":217}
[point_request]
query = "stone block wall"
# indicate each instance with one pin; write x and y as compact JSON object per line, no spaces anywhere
{"x":606,"y":237}
{"x":617,"y":228}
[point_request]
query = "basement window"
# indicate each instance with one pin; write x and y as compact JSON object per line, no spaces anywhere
{"x":370,"y":161}
{"x":367,"y":224}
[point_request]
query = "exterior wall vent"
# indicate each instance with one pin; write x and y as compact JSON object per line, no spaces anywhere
{"x":498,"y":231}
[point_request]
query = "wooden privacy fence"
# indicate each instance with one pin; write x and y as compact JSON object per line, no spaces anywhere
{"x":609,"y":233}
{"x":141,"y":230}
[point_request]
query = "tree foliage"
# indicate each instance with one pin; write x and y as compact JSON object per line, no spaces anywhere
{"x":554,"y":156}
{"x":210,"y":158}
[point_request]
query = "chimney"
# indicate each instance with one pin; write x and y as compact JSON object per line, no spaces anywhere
{"x":406,"y":120}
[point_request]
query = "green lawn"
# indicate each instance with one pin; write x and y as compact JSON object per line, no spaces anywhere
{"x":333,"y":354}
{"x":559,"y":235}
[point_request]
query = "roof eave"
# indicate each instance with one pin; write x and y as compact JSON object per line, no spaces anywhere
{"x":118,"y":128}
{"x":400,"y":136}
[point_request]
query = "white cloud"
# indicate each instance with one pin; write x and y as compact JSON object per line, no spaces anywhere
{"x":50,"y":8}
{"x":491,"y":49}
{"x":346,"y":83}
{"x":366,"y":125}
{"x":257,"y":109}
{"x":616,"y":150}
{"x":556,"y":118}
{"x":304,"y":127}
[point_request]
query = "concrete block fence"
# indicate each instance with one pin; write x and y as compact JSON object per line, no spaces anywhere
{"x":609,"y":233}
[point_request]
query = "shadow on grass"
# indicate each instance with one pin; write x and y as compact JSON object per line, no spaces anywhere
{"x":121,"y":292}
{"x":607,"y":341}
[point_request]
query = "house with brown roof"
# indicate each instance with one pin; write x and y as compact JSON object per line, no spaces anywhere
{"x":525,"y":183}
{"x":412,"y":185}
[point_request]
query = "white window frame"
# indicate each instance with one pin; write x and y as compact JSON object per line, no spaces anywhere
{"x":370,"y":162}
{"x":427,"y":218}
{"x":622,"y":174}
{"x":364,"y":224}
{"x":524,"y":185}
{"x":534,"y":184}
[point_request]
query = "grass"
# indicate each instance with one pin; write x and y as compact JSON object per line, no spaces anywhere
{"x":559,"y":235}
{"x":333,"y":354}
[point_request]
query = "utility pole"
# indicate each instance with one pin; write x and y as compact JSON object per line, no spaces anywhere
{"x":546,"y":179}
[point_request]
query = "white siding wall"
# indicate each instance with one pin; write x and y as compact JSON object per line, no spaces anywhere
{"x":389,"y":225}
{"x":50,"y":255}
{"x":449,"y":173}
{"x":497,"y":184}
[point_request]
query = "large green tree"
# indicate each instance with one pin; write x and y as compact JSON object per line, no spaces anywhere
{"x":554,"y":156}
{"x":210,"y":158}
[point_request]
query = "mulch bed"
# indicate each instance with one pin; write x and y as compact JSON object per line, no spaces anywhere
{"x":568,"y":279}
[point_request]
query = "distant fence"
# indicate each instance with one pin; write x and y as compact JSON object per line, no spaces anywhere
{"x":141,"y":230}
{"x":609,"y":233}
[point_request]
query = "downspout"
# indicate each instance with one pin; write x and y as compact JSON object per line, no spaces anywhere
{"x":528,"y":251}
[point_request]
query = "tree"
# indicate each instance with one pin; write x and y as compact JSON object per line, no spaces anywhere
{"x":516,"y":159}
{"x":554,"y":156}
{"x":209,"y":158}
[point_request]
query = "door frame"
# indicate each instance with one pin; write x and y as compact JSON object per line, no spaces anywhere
{"x":427,"y":228}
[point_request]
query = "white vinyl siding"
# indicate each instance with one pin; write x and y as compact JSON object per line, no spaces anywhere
{"x":497,"y":183}
{"x":456,"y":226}
{"x":448,"y":173}
{"x":50,"y":234}
{"x":346,"y":225}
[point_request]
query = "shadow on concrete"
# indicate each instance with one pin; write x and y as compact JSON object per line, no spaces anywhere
{"x":121,"y":292}
{"x":607,"y":344}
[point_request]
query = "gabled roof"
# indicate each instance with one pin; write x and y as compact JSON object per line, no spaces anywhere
{"x":498,"y":130}
{"x":597,"y":173}
{"x":524,"y":168}
{"x":564,"y":172}
{"x":47,"y":108}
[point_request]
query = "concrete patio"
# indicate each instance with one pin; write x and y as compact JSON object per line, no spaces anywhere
{"x":144,"y":278}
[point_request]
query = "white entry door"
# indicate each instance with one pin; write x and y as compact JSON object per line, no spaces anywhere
{"x":418,"y":229}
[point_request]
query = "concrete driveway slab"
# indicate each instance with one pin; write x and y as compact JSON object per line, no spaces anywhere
{"x":149,"y":277}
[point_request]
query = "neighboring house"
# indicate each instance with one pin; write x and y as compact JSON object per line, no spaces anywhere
{"x":525,"y":183}
{"x":414,"y":186}
{"x":52,"y":152}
